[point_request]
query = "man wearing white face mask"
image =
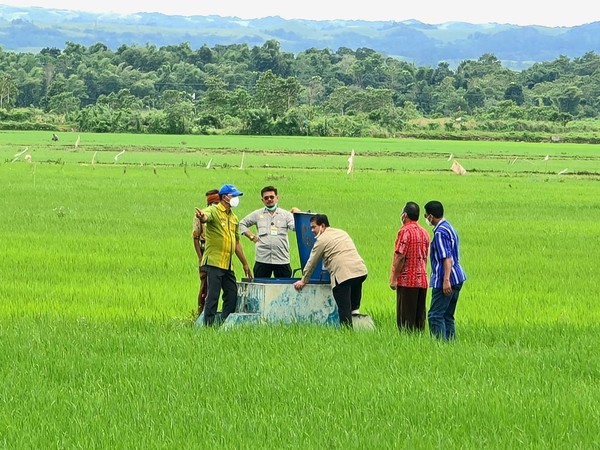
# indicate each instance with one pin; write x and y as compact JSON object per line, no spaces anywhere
{"x":408,"y":276}
{"x":222,"y":242}
{"x":271,"y":237}
{"x":447,"y":275}
{"x":340,"y":257}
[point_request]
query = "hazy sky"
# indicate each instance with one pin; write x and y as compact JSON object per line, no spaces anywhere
{"x":518,"y":12}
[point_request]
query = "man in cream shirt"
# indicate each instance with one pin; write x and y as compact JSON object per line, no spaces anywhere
{"x":346,"y":268}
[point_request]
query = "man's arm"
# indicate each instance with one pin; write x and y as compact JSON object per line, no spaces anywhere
{"x":201,"y":215}
{"x":315,"y":255}
{"x":397,"y":264}
{"x":198,"y":249}
{"x":290,"y":222}
{"x":196,"y":236}
{"x":446,"y":286}
{"x":239,"y":252}
{"x":245,"y":225}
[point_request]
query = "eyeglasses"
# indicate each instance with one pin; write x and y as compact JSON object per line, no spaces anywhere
{"x":269,"y":197}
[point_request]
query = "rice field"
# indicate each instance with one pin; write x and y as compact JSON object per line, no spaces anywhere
{"x":98,"y":283}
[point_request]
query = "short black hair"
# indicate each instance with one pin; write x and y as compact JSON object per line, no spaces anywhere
{"x":212,"y":192}
{"x":268,"y":189}
{"x":412,"y":210}
{"x":435,"y":208}
{"x":320,"y":219}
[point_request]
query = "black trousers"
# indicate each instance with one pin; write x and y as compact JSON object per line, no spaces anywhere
{"x":264,"y":270}
{"x":347,"y":296}
{"x":218,"y":279}
{"x":410,"y":308}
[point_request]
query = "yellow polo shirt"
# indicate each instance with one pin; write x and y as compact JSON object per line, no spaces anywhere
{"x":221,"y":232}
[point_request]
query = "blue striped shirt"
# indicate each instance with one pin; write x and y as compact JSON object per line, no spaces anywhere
{"x":444,"y":244}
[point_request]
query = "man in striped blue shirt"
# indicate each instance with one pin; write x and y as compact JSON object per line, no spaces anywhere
{"x":447,"y":276}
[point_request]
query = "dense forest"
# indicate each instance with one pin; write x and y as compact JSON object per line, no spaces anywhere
{"x":238,"y":89}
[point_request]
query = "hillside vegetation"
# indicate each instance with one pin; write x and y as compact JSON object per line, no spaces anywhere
{"x":262,"y":90}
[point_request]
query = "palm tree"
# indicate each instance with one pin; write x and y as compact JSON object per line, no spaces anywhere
{"x":8,"y":91}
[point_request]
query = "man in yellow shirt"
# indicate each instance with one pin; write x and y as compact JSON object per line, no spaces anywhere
{"x":222,"y":234}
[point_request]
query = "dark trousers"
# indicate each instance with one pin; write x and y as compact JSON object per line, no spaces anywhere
{"x":264,"y":270}
{"x":347,"y":296}
{"x":441,"y":312}
{"x":218,"y":279}
{"x":410,"y":308}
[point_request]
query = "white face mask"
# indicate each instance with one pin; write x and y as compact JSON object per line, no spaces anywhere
{"x":318,"y":233}
{"x":428,"y":222}
{"x":234,"y":201}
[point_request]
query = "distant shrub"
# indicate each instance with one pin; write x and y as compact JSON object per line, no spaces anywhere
{"x":27,"y":126}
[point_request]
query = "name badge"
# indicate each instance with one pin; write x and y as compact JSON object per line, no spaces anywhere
{"x":273,"y":230}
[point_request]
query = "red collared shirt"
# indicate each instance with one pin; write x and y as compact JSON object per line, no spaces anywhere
{"x":413,"y":242}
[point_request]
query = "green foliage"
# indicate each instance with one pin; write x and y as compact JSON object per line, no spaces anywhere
{"x":12,"y":125}
{"x":18,"y":114}
{"x":257,"y":122}
{"x":156,"y":122}
{"x":95,"y":89}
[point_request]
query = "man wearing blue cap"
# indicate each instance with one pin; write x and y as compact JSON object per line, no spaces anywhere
{"x":447,"y":275}
{"x":222,"y":236}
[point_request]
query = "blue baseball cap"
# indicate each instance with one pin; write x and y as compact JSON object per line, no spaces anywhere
{"x":230,"y":189}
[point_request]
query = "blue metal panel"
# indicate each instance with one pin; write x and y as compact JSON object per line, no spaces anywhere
{"x":306,"y":240}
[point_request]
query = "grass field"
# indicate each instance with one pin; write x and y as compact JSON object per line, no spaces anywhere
{"x":99,"y":280}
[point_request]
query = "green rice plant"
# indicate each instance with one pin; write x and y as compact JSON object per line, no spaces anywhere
{"x":251,"y":152}
{"x":99,"y":281}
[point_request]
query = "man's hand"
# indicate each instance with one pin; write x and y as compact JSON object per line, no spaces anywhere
{"x":200,"y":215}
{"x":447,"y":288}
{"x":298,"y":285}
{"x":248,"y":272}
{"x":397,"y":264}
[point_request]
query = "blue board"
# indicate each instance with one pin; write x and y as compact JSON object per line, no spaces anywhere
{"x":306,"y":240}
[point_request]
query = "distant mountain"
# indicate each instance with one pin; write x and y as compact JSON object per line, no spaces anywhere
{"x":31,"y":29}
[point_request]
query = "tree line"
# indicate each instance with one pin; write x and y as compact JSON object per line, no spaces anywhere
{"x":238,"y":89}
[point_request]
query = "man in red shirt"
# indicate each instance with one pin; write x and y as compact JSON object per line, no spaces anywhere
{"x":409,"y":270}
